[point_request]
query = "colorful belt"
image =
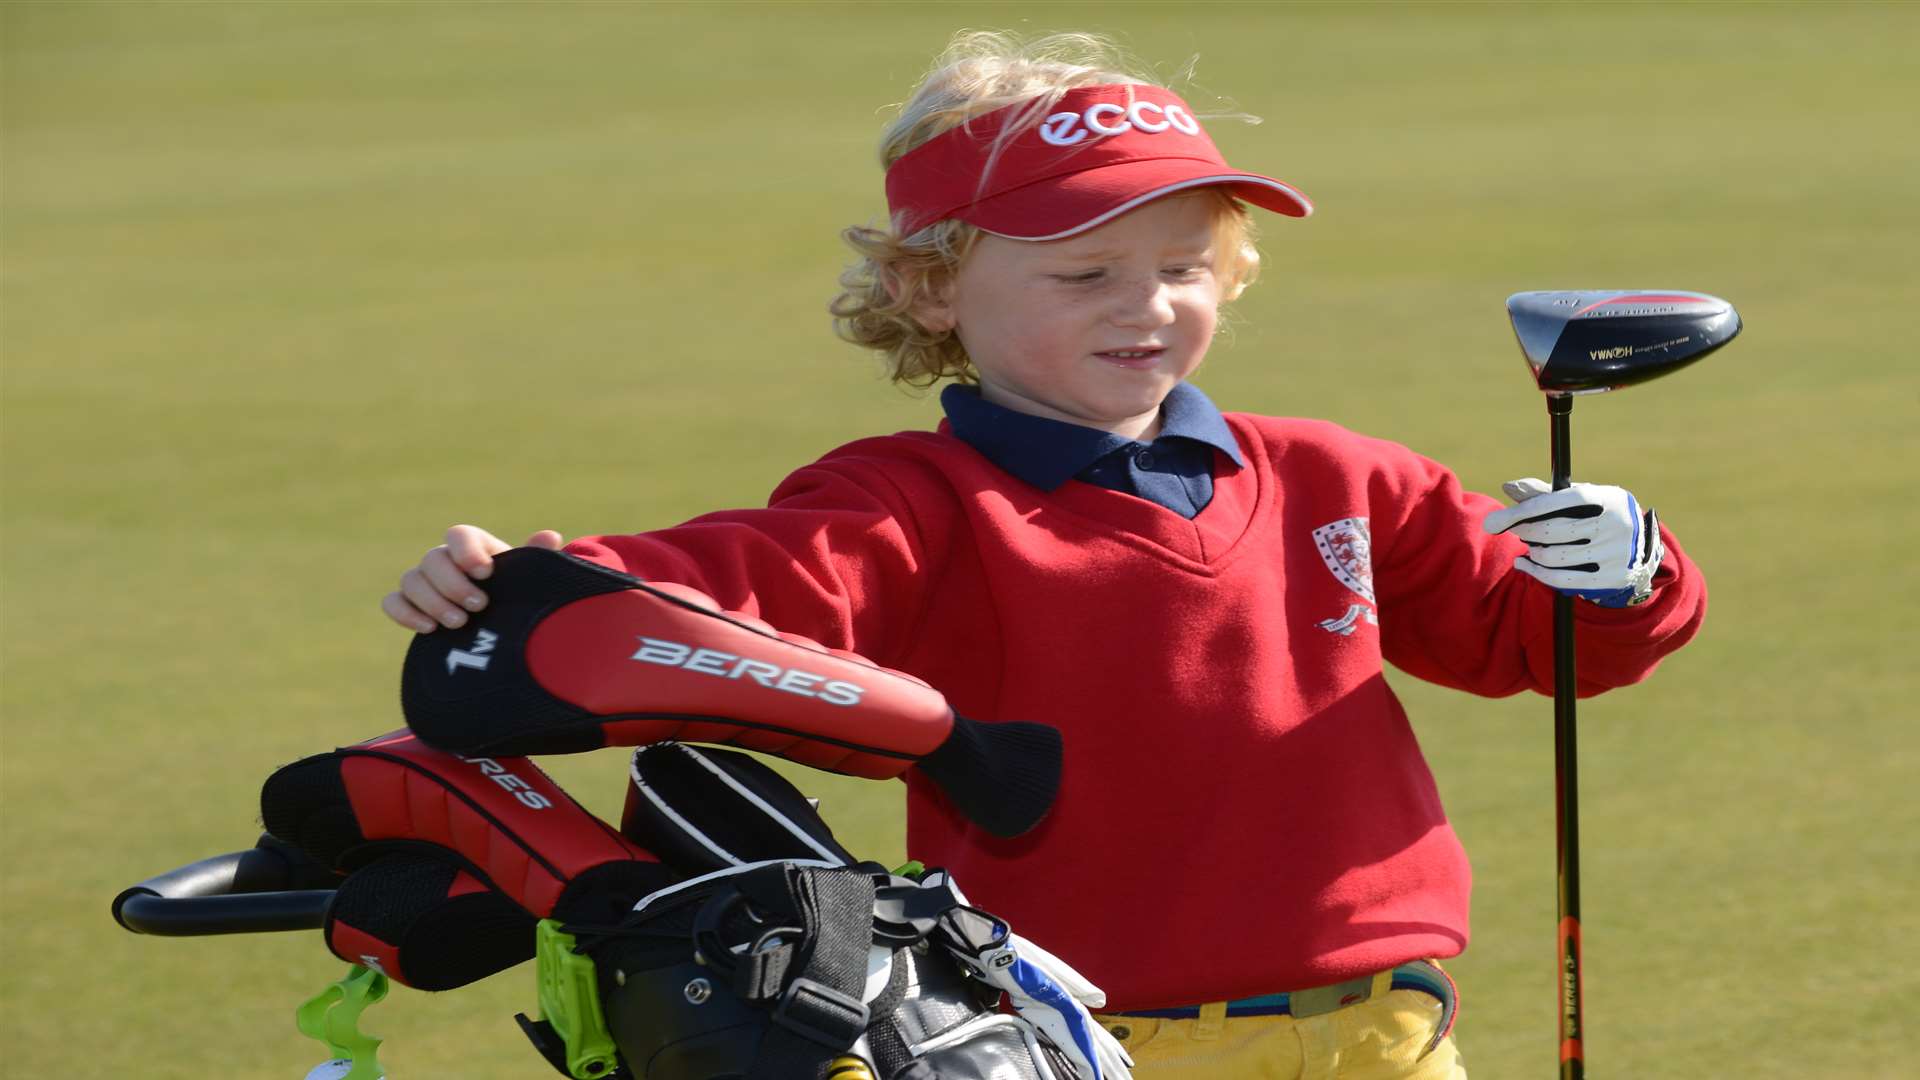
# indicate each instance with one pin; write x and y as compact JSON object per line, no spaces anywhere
{"x":1422,"y":975}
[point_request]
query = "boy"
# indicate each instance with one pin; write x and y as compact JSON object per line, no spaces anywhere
{"x":1248,"y":852}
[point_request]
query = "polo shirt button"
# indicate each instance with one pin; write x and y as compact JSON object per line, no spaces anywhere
{"x":1121,"y":1032}
{"x":1144,"y":459}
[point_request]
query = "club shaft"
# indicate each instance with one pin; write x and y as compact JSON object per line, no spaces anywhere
{"x":1566,"y":784}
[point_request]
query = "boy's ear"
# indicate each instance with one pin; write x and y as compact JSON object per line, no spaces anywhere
{"x":934,"y":309}
{"x":934,"y":316}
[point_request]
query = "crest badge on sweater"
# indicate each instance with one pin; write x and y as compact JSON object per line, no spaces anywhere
{"x":1346,"y":546}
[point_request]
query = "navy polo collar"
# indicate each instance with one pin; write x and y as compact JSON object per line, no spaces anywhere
{"x":1047,"y":453}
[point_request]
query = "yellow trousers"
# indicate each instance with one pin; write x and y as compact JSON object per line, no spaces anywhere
{"x":1384,"y":1038}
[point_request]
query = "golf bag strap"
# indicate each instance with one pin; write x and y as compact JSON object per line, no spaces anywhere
{"x":816,"y":995}
{"x":570,"y":656}
{"x":891,"y":1055}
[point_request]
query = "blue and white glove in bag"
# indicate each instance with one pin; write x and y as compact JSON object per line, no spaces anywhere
{"x":1587,"y":540}
{"x":1048,"y":994}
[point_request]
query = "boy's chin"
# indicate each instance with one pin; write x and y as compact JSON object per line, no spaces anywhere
{"x":1145,"y":396}
{"x":1127,"y":414}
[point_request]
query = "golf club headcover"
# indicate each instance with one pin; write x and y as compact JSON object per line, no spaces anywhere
{"x":448,"y":861}
{"x":426,"y":922}
{"x":570,"y":656}
{"x":702,"y":809}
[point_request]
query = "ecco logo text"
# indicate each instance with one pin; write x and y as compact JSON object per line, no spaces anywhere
{"x":723,"y":665}
{"x":1113,"y":118}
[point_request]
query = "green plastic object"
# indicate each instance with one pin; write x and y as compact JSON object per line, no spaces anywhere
{"x":333,"y":1017}
{"x":912,"y":868}
{"x":570,"y":1001}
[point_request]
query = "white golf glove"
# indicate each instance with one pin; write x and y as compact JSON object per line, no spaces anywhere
{"x":1048,"y":994}
{"x":1587,"y":540}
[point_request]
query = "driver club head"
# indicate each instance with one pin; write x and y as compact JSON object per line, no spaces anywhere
{"x":1592,"y":341}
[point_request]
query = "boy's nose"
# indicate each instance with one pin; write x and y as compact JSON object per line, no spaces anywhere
{"x":1148,"y":306}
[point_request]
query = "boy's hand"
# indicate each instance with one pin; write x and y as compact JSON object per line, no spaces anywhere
{"x":1588,"y":540}
{"x":441,"y":590}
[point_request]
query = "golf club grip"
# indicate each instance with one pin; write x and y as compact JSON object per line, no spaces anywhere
{"x":1566,"y":776}
{"x":258,"y":890}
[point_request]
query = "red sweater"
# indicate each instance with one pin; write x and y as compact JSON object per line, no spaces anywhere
{"x":1244,"y":808}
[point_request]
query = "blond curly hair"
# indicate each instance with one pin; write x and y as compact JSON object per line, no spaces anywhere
{"x":981,"y":71}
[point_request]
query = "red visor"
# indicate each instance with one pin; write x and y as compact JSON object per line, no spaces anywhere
{"x":1102,"y":151}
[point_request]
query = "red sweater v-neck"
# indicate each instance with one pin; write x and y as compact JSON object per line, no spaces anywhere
{"x":1244,"y":808}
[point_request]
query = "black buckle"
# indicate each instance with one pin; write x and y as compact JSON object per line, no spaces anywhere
{"x":547,"y":1041}
{"x":819,"y":1013}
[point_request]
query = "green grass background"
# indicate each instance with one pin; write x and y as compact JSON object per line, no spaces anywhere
{"x":289,"y":288}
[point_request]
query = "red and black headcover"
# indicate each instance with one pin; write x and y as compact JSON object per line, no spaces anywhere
{"x":571,"y":656}
{"x":450,"y":860}
{"x":704,"y":810}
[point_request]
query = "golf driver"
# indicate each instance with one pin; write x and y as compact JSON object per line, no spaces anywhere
{"x":1589,"y":342}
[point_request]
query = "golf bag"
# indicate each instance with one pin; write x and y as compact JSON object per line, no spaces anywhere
{"x":780,"y":956}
